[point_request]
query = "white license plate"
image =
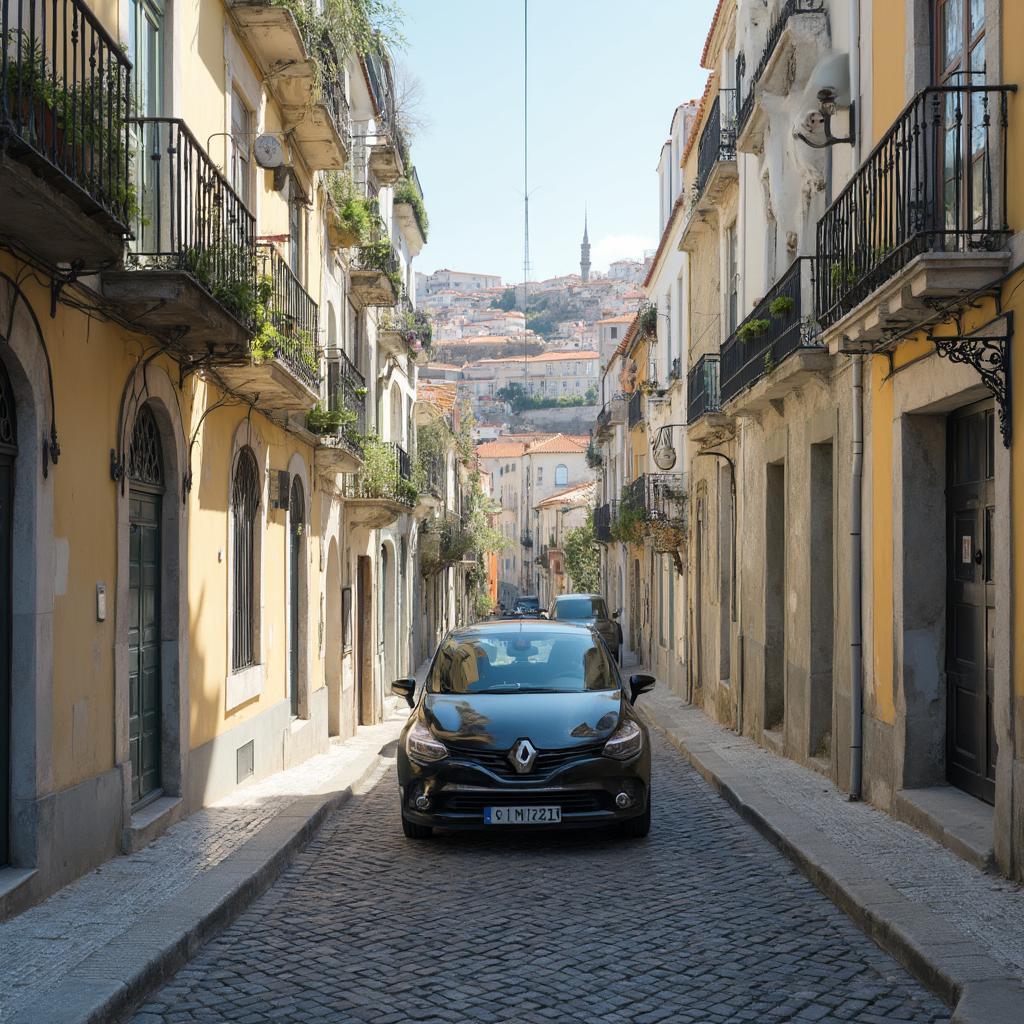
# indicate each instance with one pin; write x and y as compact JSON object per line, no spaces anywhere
{"x":522,"y":815}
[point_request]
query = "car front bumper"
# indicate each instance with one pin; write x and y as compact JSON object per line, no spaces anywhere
{"x":586,"y":791}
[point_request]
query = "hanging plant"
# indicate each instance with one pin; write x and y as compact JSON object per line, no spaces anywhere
{"x":781,"y":305}
{"x":753,"y":329}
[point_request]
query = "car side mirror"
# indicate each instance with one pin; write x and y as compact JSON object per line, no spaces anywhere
{"x":405,"y":688}
{"x":616,"y":613}
{"x":543,"y":614}
{"x":639,"y":684}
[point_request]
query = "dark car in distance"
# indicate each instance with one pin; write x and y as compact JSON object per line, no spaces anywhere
{"x":591,"y":610}
{"x":528,"y":607}
{"x":524,"y":724}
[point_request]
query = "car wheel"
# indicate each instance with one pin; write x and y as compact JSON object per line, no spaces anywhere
{"x":414,"y":831}
{"x":638,"y":827}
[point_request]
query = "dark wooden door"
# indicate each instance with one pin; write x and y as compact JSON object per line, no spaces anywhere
{"x":6,"y":520}
{"x":364,"y":656}
{"x":970,"y":630}
{"x":144,"y":683}
{"x":296,"y":519}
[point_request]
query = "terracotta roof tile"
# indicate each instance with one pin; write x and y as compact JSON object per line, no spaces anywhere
{"x":500,"y":449}
{"x":559,"y":444}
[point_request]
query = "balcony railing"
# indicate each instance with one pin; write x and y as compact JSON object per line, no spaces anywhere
{"x":635,"y":409}
{"x":717,"y":139}
{"x":526,"y":539}
{"x":702,"y":391}
{"x":604,"y":516}
{"x":190,"y":219}
{"x":665,"y":497}
{"x":777,"y":327}
{"x":390,"y":481}
{"x":346,"y":389}
{"x":294,"y":315}
{"x":65,"y":88}
{"x":332,"y":89}
{"x":936,"y":182}
{"x":381,"y":87}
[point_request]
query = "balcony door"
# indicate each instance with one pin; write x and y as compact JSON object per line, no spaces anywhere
{"x":146,"y":50}
{"x":970,"y":601}
{"x":960,"y":62}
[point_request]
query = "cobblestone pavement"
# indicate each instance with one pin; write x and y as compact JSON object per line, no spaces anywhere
{"x":38,"y":947}
{"x":703,"y":922}
{"x":988,"y":908}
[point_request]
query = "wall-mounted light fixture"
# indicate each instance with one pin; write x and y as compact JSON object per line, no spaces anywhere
{"x":827,"y":107}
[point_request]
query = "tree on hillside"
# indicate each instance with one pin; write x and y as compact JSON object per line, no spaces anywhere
{"x":506,"y":301}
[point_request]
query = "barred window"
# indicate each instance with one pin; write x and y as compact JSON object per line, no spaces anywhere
{"x":245,"y":504}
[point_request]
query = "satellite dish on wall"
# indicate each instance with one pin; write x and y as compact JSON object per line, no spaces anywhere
{"x":268,"y":152}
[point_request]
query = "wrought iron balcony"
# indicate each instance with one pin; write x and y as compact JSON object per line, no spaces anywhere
{"x":340,"y":448}
{"x":635,"y":409}
{"x":346,"y":389}
{"x":382,"y":490}
{"x":779,"y":23}
{"x":191,"y":271}
{"x":929,"y":200}
{"x":388,"y":148}
{"x":702,"y":391}
{"x":405,"y":330}
{"x":604,"y":516}
{"x":778,"y":327}
{"x":376,"y":274}
{"x":526,"y":539}
{"x":612,"y":412}
{"x":717,"y":143}
{"x":65,"y":88}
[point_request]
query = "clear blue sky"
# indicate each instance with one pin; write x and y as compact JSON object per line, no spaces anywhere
{"x":605,"y":77}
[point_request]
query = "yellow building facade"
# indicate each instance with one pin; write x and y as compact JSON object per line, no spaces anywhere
{"x":206,"y":582}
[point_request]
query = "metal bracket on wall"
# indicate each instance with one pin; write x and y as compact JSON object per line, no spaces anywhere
{"x":987,"y":349}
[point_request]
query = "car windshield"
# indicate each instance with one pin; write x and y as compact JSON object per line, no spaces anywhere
{"x":580,"y":608}
{"x":528,"y":603}
{"x":525,"y":661}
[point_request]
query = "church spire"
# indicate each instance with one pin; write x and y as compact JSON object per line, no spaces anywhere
{"x":585,"y":251}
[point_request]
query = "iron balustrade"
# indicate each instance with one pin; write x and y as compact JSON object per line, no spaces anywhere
{"x":346,"y":389}
{"x":526,"y":539}
{"x":380,"y":256}
{"x":65,"y":93}
{"x":435,"y":476}
{"x":416,"y":181}
{"x":381,"y":87}
{"x":665,"y":497}
{"x":775,"y":30}
{"x":604,"y":516}
{"x":389,"y":482}
{"x":402,"y":460}
{"x":332,"y":87}
{"x":294,"y":315}
{"x":776,"y":328}
{"x":635,"y":409}
{"x":190,"y":219}
{"x":702,"y":390}
{"x":717,"y":139}
{"x":936,"y":182}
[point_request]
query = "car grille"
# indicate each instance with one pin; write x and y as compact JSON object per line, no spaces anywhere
{"x":547,"y":762}
{"x":570,"y":802}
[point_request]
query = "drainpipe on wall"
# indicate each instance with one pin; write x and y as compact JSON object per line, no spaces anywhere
{"x":856,"y":484}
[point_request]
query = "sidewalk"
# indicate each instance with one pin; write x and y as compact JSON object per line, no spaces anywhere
{"x":960,"y":931}
{"x":92,"y":949}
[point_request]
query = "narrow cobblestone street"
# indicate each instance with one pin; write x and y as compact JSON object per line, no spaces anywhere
{"x":702,"y":922}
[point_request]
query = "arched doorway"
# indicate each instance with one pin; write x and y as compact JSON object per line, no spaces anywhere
{"x":387,"y":623}
{"x":145,"y":577}
{"x":296,"y":534}
{"x":8,"y":452}
{"x":333,"y":641}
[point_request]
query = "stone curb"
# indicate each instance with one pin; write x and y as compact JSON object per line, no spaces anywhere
{"x":948,"y":962}
{"x":119,"y":975}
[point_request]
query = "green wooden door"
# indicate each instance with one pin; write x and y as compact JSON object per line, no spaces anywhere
{"x":145,"y":553}
{"x":144,"y":725}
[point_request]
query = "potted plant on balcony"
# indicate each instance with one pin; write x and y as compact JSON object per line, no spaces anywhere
{"x":648,"y":321}
{"x":753,"y":329}
{"x":352,"y":219}
{"x":407,"y":194}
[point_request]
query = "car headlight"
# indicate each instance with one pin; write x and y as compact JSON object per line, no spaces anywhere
{"x":627,"y":741}
{"x":421,"y":745}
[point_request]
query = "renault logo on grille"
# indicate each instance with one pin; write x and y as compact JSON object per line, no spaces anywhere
{"x":522,"y":756}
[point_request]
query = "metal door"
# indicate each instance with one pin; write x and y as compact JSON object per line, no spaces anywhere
{"x":145,"y":691}
{"x":296,"y":519}
{"x":8,"y":450}
{"x":970,"y":630}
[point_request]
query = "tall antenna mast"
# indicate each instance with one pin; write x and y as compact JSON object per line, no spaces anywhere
{"x":526,"y":192}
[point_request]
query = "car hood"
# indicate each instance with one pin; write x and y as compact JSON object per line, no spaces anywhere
{"x":551,"y":721}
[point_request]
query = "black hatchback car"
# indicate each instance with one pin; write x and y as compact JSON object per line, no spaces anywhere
{"x":524,"y":724}
{"x":591,"y":610}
